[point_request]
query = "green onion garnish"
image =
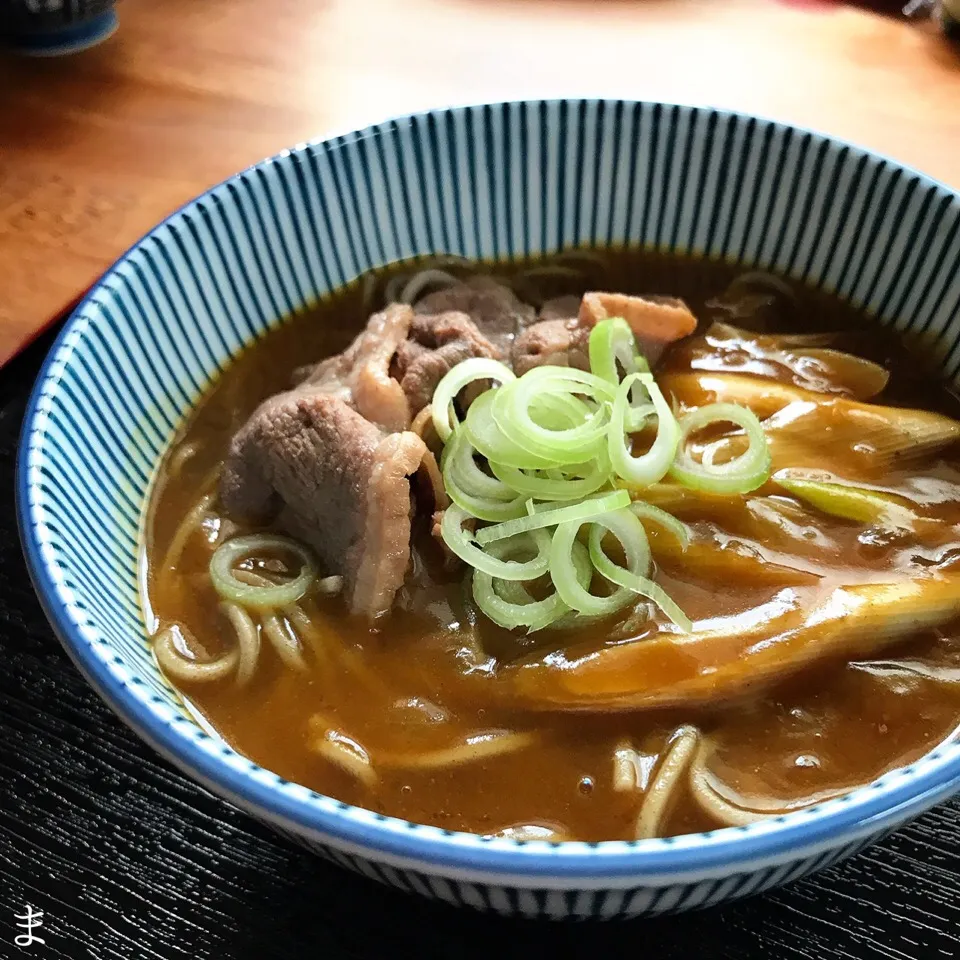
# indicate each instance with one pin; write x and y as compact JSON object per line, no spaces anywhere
{"x":542,"y":456}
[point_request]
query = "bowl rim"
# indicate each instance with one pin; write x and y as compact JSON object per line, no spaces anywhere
{"x":862,"y":813}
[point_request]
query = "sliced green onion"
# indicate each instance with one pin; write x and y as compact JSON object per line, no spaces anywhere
{"x":482,"y":496}
{"x":627,"y":528}
{"x":653,"y":465}
{"x":509,"y":604}
{"x":454,"y":536}
{"x":647,"y":511}
{"x":489,"y":440}
{"x":226,"y":556}
{"x":459,"y":460}
{"x":612,"y":346}
{"x":557,"y":411}
{"x":585,"y":510}
{"x":483,"y":508}
{"x":630,"y":579}
{"x":464,"y":373}
{"x":849,"y":502}
{"x":612,"y":341}
{"x":563,"y":571}
{"x":514,"y":406}
{"x":570,"y":484}
{"x":741,"y":474}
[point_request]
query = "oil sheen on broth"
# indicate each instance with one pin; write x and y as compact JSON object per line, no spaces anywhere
{"x":404,"y":693}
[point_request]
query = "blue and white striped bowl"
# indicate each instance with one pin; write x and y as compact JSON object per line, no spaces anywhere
{"x":497,"y":181}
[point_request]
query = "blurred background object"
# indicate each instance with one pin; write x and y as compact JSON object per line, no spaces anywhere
{"x":50,"y":28}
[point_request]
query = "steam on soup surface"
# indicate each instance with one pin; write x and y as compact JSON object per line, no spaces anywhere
{"x":799,"y":638}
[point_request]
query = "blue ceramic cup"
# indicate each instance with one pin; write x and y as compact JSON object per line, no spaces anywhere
{"x":48,"y":28}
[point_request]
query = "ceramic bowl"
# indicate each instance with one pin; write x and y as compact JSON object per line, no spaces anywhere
{"x":497,"y":181}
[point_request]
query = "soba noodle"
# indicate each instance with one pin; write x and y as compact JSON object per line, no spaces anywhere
{"x":683,"y":746}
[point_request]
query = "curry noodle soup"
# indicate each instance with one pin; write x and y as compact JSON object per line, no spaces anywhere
{"x":801,"y":638}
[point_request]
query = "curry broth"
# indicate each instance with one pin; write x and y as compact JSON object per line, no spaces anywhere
{"x":424,"y":679}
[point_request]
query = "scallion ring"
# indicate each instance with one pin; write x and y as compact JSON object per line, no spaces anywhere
{"x":577,"y":512}
{"x":563,"y":570}
{"x":647,"y":511}
{"x":483,"y":432}
{"x":743,"y":473}
{"x":454,"y":536}
{"x":652,"y":466}
{"x":464,"y":373}
{"x":458,"y":462}
{"x":509,"y":603}
{"x":614,"y":347}
{"x":514,"y":413}
{"x":580,"y":481}
{"x":628,"y":578}
{"x":229,"y":587}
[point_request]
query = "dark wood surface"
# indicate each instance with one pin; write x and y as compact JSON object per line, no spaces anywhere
{"x":129,"y":859}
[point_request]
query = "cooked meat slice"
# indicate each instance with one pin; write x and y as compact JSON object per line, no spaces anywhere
{"x":492,"y":306}
{"x":334,"y":481}
{"x":656,"y":321}
{"x":559,"y":343}
{"x":562,"y":336}
{"x":382,"y":556}
{"x":360,"y":375}
{"x":437,"y":342}
{"x":561,"y":308}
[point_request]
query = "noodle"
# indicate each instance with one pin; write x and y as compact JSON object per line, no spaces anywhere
{"x":329,"y":586}
{"x":183,"y":453}
{"x":176,"y":664}
{"x":348,"y":755}
{"x":478,"y":747}
{"x":708,"y":792}
{"x":422,"y":280}
{"x":525,"y":286}
{"x":760,"y":279}
{"x":248,"y":641}
{"x":188,"y":526}
{"x":369,"y":289}
{"x":626,"y":768}
{"x":665,"y":783}
{"x":584,"y":256}
{"x":712,"y":804}
{"x":393,"y":287}
{"x":284,"y":640}
{"x":301,"y":623}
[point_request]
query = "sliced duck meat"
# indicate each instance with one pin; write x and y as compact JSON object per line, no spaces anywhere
{"x":491,"y":305}
{"x":561,"y":308}
{"x":436,"y":343}
{"x":656,"y":321}
{"x":557,"y":343}
{"x":333,"y":480}
{"x":360,"y":376}
{"x":562,"y":336}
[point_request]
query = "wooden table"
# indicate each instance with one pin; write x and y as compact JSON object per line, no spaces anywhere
{"x":95,"y":148}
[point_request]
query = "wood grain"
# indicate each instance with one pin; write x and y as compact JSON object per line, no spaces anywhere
{"x":96,"y":148}
{"x":130,"y":860}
